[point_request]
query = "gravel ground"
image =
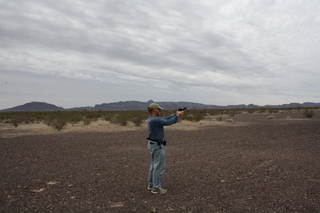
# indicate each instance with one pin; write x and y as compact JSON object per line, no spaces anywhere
{"x":259,"y":166}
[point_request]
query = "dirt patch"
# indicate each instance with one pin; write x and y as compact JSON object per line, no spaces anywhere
{"x":255,"y":165}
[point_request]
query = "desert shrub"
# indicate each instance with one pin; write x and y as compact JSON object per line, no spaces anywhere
{"x":165,"y":113}
{"x":273,"y":110}
{"x":22,"y":117}
{"x":122,"y":120}
{"x":57,"y":124}
{"x":308,"y":113}
{"x":119,"y":119}
{"x":194,"y":115}
{"x":198,"y":117}
{"x":231,"y":113}
{"x":90,"y":117}
{"x":74,"y":118}
{"x":262,"y":110}
{"x":187,"y":117}
{"x":57,"y":119}
{"x":16,"y":120}
{"x":5,"y":121}
{"x":114,"y":119}
{"x":87,"y":121}
{"x":107,"y":118}
{"x":137,"y":120}
{"x":234,"y":112}
{"x":271,"y":117}
{"x":214,"y":112}
{"x":251,"y":111}
{"x":138,"y":117}
{"x":93,"y":115}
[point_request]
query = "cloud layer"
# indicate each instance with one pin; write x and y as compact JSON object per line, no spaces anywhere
{"x":214,"y":52}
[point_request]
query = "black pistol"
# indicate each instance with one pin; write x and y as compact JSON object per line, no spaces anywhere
{"x":182,"y":108}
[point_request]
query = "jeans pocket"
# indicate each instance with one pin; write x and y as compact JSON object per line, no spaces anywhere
{"x":152,"y":147}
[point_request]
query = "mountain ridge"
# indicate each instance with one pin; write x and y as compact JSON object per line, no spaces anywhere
{"x":139,"y":105}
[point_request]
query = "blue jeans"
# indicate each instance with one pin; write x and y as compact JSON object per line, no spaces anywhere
{"x":158,"y":163}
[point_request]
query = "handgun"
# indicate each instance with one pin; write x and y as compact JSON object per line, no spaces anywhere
{"x":182,"y":108}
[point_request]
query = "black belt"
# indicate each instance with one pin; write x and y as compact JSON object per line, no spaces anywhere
{"x":158,"y":141}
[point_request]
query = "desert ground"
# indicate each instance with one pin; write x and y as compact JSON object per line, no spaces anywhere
{"x":252,"y":164}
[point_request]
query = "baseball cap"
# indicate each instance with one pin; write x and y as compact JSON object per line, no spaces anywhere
{"x":154,"y":106}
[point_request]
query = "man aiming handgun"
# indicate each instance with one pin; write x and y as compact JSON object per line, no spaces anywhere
{"x":157,"y":145}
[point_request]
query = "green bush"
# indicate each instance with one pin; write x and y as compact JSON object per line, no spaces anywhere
{"x":214,"y":112}
{"x":74,"y":118}
{"x":194,"y":115}
{"x":137,"y":120}
{"x":57,"y":124}
{"x":122,"y":120}
{"x":119,"y":119}
{"x":251,"y":111}
{"x":87,"y":121}
{"x":262,"y":110}
{"x":273,"y":110}
{"x":16,"y":120}
{"x":138,"y":117}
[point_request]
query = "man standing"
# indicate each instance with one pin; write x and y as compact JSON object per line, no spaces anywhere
{"x":157,"y":146}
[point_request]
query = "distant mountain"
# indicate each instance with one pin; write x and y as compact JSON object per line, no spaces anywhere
{"x":138,"y":105}
{"x":35,"y":106}
{"x":123,"y":105}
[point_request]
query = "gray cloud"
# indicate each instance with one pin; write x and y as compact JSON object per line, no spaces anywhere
{"x":215,"y":52}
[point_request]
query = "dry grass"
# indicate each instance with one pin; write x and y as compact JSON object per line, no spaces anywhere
{"x":9,"y":131}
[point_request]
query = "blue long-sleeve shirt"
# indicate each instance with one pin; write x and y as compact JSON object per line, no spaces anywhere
{"x":155,"y":125}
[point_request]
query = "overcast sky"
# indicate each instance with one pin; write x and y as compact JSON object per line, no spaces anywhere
{"x":80,"y":53}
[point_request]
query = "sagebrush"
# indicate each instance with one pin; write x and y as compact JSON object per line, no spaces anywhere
{"x":58,"y":119}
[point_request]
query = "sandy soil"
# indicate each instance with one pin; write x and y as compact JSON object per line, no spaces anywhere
{"x":252,"y":164}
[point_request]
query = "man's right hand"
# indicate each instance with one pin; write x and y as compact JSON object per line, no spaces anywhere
{"x":179,"y":113}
